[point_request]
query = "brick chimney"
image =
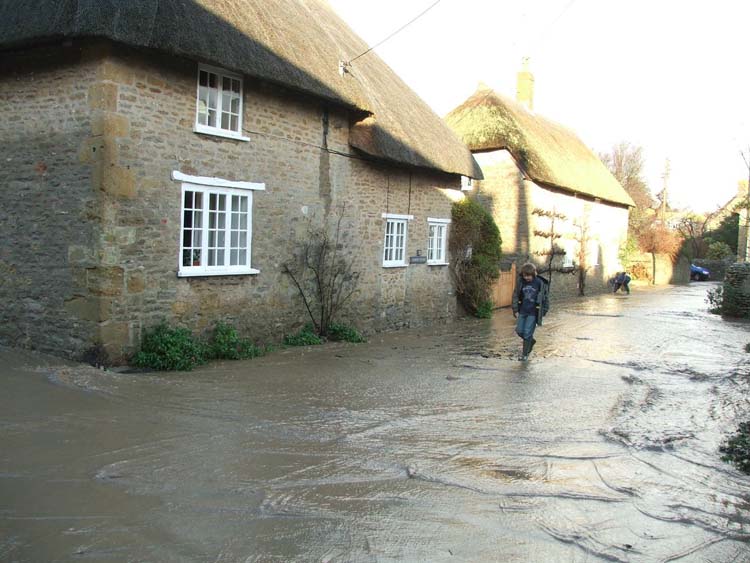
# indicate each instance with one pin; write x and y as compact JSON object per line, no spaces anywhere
{"x":525,"y":86}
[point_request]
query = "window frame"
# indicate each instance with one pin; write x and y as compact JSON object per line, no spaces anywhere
{"x":443,"y":225}
{"x":396,"y":219}
{"x":218,"y":130}
{"x":571,"y":248}
{"x":593,"y":252}
{"x":208,"y":186}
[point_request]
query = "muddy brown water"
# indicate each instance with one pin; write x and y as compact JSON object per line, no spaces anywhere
{"x":422,"y":445}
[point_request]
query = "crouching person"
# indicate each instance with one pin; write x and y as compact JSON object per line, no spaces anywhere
{"x":530,"y":304}
{"x":622,"y":280}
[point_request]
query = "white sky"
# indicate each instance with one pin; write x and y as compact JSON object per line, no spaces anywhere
{"x":672,"y":76}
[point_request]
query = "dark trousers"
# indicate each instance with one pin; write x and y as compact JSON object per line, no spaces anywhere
{"x":623,"y":285}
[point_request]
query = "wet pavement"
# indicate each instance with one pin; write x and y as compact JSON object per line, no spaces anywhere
{"x":422,"y":445}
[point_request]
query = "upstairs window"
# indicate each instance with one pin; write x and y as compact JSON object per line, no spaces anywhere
{"x":394,"y":246}
{"x":436,"y":241}
{"x":219,"y":103}
{"x":467,"y":184}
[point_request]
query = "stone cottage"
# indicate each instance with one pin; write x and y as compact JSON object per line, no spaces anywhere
{"x":162,"y":159}
{"x":550,"y":195}
{"x":737,"y":206}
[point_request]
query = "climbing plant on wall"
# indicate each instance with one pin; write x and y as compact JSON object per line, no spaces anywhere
{"x":475,"y":247}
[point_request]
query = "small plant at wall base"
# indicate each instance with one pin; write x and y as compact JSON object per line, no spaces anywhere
{"x":344,"y":333}
{"x":324,"y":276}
{"x":225,"y":344}
{"x":166,"y":348}
{"x":475,"y":247}
{"x":305,"y":337}
{"x":714,"y":298}
{"x":724,"y":300}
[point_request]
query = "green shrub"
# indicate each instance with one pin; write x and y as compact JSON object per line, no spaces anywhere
{"x":484,"y":311}
{"x":724,"y":300}
{"x":736,"y":450}
{"x":305,"y":337}
{"x":714,"y":298}
{"x":475,"y":249}
{"x":166,"y":348}
{"x":718,"y":250}
{"x":225,"y":344}
{"x":344,"y":333}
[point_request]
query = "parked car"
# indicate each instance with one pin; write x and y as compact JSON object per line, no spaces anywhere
{"x":699,"y":273}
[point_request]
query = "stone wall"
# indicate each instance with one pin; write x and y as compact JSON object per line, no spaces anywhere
{"x":668,"y":271}
{"x":133,"y":127}
{"x":522,"y":211}
{"x":736,"y":291}
{"x":49,"y":211}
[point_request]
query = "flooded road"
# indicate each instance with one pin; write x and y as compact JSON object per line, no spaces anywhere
{"x":423,"y":445}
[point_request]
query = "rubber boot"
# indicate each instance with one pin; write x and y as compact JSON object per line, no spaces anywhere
{"x":531,"y":344}
{"x":526,"y":347}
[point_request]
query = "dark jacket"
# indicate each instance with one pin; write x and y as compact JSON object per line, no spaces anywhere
{"x":542,"y":298}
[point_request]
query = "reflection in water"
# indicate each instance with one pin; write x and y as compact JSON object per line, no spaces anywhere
{"x":429,"y":445}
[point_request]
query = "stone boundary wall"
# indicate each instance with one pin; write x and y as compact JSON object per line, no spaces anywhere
{"x":641,"y":267}
{"x":736,"y":298}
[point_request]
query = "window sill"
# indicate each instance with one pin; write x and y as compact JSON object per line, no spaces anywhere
{"x":437,"y":264}
{"x":395,"y":265}
{"x":220,"y":133}
{"x":250,"y":271}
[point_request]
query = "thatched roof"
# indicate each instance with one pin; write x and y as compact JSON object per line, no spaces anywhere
{"x":295,"y":43}
{"x":547,"y":152}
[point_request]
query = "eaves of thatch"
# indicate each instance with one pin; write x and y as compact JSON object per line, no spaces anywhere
{"x":547,"y":152}
{"x":294,"y":43}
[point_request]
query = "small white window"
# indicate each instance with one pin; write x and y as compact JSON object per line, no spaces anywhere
{"x":394,"y":246}
{"x":467,"y":184}
{"x":571,"y":253}
{"x":216,"y":227}
{"x":436,"y":240}
{"x":593,"y":254}
{"x":219,"y":103}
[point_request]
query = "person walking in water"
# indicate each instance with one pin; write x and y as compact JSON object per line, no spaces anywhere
{"x":530,"y":304}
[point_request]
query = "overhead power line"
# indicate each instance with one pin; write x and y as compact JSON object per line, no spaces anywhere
{"x":541,"y":37}
{"x":407,"y":24}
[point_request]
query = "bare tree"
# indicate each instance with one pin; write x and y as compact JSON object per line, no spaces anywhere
{"x":553,"y":236}
{"x":744,"y":209}
{"x":582,"y":236}
{"x":658,"y":238}
{"x":626,"y":163}
{"x":692,"y":229}
{"x":324,"y":277}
